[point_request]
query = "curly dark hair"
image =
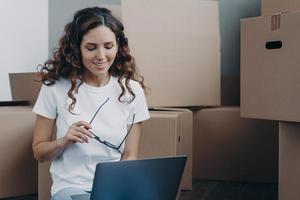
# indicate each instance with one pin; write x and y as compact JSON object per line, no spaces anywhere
{"x":67,"y":59}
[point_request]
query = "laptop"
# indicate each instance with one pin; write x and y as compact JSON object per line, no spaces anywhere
{"x":147,"y":179}
{"x":14,"y":103}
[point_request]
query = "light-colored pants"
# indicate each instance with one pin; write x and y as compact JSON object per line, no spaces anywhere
{"x":65,"y":194}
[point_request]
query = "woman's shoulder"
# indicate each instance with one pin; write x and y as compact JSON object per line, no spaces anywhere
{"x":60,"y":84}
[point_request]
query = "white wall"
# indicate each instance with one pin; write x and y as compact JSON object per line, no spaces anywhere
{"x":23,"y":38}
{"x":61,"y":12}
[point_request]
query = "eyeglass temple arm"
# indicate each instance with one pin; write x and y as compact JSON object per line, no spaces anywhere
{"x":99,"y":109}
{"x":127,"y":131}
{"x":103,"y":142}
{"x":95,"y":136}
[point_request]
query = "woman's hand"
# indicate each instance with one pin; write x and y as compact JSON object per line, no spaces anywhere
{"x":45,"y":149}
{"x":78,"y":132}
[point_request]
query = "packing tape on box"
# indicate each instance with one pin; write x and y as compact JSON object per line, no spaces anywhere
{"x":275,"y":21}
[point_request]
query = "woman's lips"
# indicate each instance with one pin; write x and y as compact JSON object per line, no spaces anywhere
{"x":100,"y":66}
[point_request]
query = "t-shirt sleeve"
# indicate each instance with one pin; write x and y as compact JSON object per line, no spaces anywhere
{"x":46,"y":105}
{"x":138,"y":106}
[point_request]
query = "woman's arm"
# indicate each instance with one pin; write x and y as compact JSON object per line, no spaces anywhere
{"x":44,"y":149}
{"x":132,"y":143}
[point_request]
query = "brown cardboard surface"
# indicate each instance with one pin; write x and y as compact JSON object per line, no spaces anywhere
{"x":44,"y":181}
{"x":269,"y":7}
{"x":227,"y":147}
{"x":177,"y":48}
{"x":24,"y":87}
{"x":270,"y":78}
{"x":289,"y":162}
{"x":44,"y":178}
{"x":169,"y":133}
{"x":18,"y":168}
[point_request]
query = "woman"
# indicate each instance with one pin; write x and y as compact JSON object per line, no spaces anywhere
{"x":91,"y":91}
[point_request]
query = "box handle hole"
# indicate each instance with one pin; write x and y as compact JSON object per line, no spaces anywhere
{"x":274,"y":45}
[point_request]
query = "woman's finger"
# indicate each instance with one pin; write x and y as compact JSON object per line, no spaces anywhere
{"x":83,"y":123}
{"x":84,"y":131}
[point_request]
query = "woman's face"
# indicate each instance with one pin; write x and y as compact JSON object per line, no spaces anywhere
{"x":98,"y":50}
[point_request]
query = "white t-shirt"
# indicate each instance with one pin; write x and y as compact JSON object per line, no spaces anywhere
{"x":75,"y":167}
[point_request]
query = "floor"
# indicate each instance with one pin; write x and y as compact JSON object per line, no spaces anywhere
{"x":218,"y":190}
{"x":28,"y":197}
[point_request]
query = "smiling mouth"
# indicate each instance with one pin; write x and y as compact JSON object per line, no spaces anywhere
{"x":100,"y":67}
{"x":99,"y":64}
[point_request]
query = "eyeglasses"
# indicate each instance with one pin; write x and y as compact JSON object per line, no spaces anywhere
{"x":108,"y":144}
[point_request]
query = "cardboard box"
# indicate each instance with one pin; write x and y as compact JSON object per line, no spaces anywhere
{"x":270,"y":7}
{"x":24,"y":86}
{"x":176,"y":45}
{"x":270,"y":77}
{"x":289,"y":162}
{"x":227,"y":147}
{"x":169,"y":133}
{"x":18,"y":168}
{"x":44,"y":181}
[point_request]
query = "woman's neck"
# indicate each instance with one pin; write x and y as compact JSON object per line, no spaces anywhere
{"x":97,"y":81}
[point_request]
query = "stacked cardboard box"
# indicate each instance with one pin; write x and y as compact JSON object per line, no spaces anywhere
{"x":176,"y":45}
{"x":270,"y":82}
{"x":222,"y":141}
{"x":18,"y":81}
{"x":269,"y":67}
{"x":169,"y":133}
{"x":289,"y":162}
{"x":230,"y":148}
{"x":18,"y":168}
{"x":44,"y":181}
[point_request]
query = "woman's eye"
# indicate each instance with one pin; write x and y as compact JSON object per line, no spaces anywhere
{"x":109,"y":46}
{"x":90,"y":48}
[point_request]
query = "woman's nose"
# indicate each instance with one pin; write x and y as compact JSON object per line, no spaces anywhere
{"x":100,"y":54}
